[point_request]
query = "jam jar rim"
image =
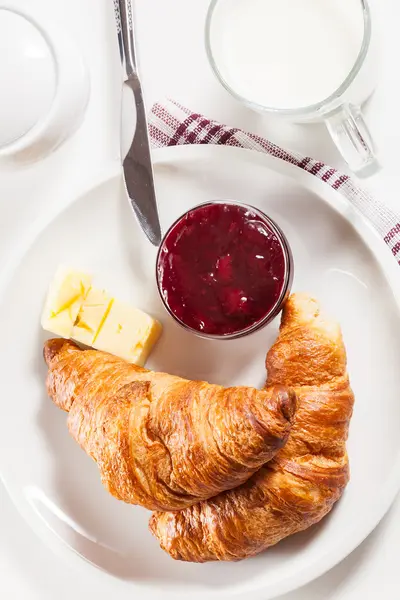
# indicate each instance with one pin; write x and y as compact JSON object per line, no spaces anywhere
{"x":286,"y":287}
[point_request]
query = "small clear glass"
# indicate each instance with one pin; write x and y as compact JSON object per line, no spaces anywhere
{"x":44,"y":61}
{"x":287,"y":283}
{"x":341,"y":111}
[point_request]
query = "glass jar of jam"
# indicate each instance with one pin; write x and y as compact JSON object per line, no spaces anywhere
{"x":224,"y":270}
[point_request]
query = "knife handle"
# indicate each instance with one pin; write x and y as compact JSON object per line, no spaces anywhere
{"x":117,"y":13}
{"x":127,"y":36}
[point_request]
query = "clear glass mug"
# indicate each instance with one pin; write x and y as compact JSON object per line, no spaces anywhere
{"x":341,"y":111}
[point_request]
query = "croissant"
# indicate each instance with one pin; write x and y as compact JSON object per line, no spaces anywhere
{"x":300,"y":486}
{"x":160,"y":441}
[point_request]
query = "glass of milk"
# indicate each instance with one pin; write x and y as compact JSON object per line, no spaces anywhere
{"x":305,"y":60}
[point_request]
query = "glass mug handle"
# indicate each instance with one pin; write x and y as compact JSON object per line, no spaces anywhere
{"x":353,"y":139}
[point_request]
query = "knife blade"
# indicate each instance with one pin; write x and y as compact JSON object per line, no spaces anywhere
{"x":137,"y":165}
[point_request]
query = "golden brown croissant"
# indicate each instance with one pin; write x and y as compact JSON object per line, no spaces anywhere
{"x":161,"y":441}
{"x":306,"y":478}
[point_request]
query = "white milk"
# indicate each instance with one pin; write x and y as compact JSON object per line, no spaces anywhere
{"x":286,"y":53}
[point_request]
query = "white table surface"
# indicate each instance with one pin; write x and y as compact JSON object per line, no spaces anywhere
{"x":174,"y":64}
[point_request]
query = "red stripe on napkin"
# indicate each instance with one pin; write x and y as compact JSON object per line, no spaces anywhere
{"x":173,"y":124}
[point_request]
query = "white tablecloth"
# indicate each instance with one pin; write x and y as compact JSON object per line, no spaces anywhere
{"x":174,"y":64}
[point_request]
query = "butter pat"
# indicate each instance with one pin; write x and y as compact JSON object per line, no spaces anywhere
{"x":91,"y":316}
{"x":65,"y":297}
{"x":128,"y":333}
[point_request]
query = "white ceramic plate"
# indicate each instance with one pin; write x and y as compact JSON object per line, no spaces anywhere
{"x":338,"y":258}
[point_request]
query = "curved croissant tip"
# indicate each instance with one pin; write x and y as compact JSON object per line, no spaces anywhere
{"x":52,"y":349}
{"x":153,"y":523}
{"x":302,"y":306}
{"x":163,"y":525}
{"x":158,"y":527}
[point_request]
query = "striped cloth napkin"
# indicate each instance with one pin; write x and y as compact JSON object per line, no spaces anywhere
{"x":171,"y":124}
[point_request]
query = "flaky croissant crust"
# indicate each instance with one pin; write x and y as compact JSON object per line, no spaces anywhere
{"x":161,"y":441}
{"x":300,"y":486}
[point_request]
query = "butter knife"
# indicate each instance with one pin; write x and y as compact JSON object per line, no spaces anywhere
{"x":137,"y":165}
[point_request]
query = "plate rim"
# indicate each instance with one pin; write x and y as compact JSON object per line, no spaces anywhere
{"x":389,"y":268}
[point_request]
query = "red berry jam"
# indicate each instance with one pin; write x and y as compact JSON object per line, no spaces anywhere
{"x":223,"y":268}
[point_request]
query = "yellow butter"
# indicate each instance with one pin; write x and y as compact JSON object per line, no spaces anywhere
{"x":128,"y":333}
{"x":91,"y":316}
{"x":65,"y":297}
